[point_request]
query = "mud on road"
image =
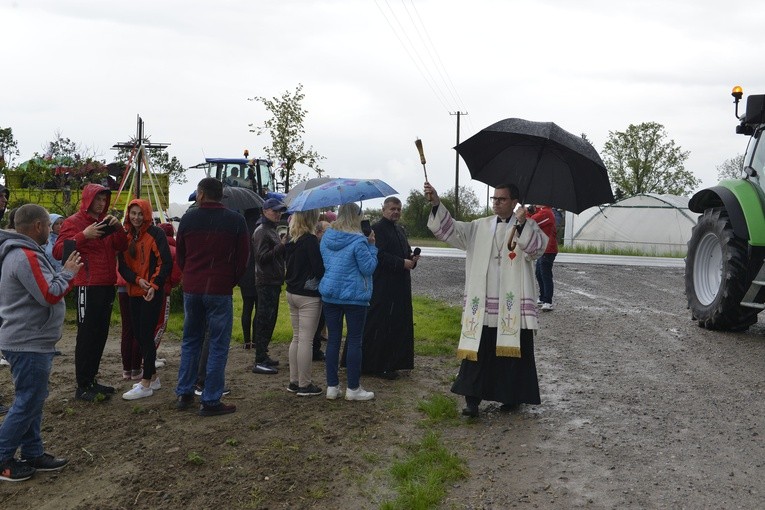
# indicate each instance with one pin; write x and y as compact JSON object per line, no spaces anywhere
{"x":640,"y":409}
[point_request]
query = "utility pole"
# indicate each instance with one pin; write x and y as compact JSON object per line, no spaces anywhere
{"x":457,"y":169}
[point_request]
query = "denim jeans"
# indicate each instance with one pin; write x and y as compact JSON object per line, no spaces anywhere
{"x":355,"y":316}
{"x":545,"y":277}
{"x":218,"y":312}
{"x":21,"y":426}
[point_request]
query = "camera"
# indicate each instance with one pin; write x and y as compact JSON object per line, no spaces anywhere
{"x":366,"y":228}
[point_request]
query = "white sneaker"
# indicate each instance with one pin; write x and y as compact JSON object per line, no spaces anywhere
{"x":547,"y":307}
{"x":155,"y":384}
{"x":4,"y":362}
{"x":137,"y":392}
{"x":539,"y":302}
{"x":159,"y":363}
{"x":333,"y":392}
{"x":359,"y":394}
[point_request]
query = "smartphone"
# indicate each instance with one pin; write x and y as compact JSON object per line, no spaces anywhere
{"x":107,"y":229}
{"x":366,"y":228}
{"x":70,"y":245}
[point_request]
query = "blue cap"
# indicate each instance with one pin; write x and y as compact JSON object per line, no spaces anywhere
{"x":274,"y":204}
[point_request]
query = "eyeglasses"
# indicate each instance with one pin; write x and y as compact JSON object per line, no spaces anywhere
{"x":499,"y":199}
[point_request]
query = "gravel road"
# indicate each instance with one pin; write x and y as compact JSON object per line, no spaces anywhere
{"x":640,"y":408}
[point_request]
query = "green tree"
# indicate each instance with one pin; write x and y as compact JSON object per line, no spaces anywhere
{"x":159,"y":161}
{"x":285,"y":127}
{"x":643,"y":160}
{"x":731,"y":168}
{"x":8,"y":148}
{"x":470,"y":208}
{"x":414,"y":215}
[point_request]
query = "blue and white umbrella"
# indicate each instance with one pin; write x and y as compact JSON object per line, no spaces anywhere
{"x":340,"y":191}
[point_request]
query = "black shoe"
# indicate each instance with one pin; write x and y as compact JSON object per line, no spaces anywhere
{"x":319,"y":356}
{"x":269,"y":362}
{"x":184,"y":402}
{"x":264,"y":369}
{"x":106,"y":390}
{"x":46,"y":462}
{"x":205,"y":410}
{"x":471,"y":411}
{"x":390,"y":375}
{"x":309,"y":391}
{"x":90,"y":394}
{"x":226,"y":391}
{"x":198,"y":389}
{"x":248,"y":345}
{"x":293,"y":387}
{"x":13,"y":470}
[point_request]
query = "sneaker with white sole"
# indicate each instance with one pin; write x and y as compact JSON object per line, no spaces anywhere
{"x":359,"y":394}
{"x":547,"y":307}
{"x":159,"y":364}
{"x":333,"y":392}
{"x":540,"y":302}
{"x":138,"y":391}
{"x":155,"y":384}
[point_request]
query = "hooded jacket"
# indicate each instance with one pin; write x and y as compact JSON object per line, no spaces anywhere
{"x":48,"y":247}
{"x":269,"y":252}
{"x":151,"y":259}
{"x":98,"y":255}
{"x":349,"y":263}
{"x":32,"y":300}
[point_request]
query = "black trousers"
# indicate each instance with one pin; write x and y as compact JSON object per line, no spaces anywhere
{"x":94,"y":312}
{"x":265,"y":318}
{"x":145,"y":315}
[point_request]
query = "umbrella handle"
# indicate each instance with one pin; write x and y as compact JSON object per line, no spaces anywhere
{"x":511,"y":240}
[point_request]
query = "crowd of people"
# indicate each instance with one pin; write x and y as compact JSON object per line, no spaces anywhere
{"x":335,"y":274}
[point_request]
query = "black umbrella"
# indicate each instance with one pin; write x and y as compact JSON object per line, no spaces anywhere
{"x":241,"y":199}
{"x":549,"y":165}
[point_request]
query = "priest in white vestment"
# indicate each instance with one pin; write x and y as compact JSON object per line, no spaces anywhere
{"x":500,"y":311}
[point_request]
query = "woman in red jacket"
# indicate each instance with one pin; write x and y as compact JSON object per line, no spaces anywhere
{"x":145,"y":266}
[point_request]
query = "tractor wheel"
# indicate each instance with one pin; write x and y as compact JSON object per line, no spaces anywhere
{"x":716,"y":274}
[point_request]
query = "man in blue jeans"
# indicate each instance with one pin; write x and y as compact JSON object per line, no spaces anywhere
{"x":33,"y":309}
{"x":212,"y":247}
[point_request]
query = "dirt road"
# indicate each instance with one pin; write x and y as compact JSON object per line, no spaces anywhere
{"x":641,"y":409}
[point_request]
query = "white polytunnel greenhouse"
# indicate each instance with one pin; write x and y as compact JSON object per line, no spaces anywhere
{"x":649,"y":223}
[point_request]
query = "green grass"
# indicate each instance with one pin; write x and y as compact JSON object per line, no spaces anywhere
{"x":436,"y":327}
{"x":422,"y":478}
{"x":429,"y":242}
{"x":632,"y":252}
{"x":439,"y":409}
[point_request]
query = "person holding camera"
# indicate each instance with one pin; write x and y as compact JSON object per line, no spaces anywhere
{"x":98,"y":237}
{"x":350,"y":259}
{"x":269,"y":252}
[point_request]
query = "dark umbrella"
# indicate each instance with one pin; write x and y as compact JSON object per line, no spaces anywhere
{"x":241,"y":199}
{"x":304,"y":185}
{"x":549,"y":165}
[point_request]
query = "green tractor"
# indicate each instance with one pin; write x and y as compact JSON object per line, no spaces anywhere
{"x":724,"y":272}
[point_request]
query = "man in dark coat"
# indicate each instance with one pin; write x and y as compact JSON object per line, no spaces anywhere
{"x":388,"y":343}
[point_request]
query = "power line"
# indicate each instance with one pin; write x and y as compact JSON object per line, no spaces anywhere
{"x":447,"y":80}
{"x":421,"y":67}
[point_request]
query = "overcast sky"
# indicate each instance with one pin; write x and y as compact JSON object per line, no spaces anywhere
{"x":87,"y":68}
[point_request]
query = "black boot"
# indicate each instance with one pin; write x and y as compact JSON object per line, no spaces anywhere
{"x":471,"y":407}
